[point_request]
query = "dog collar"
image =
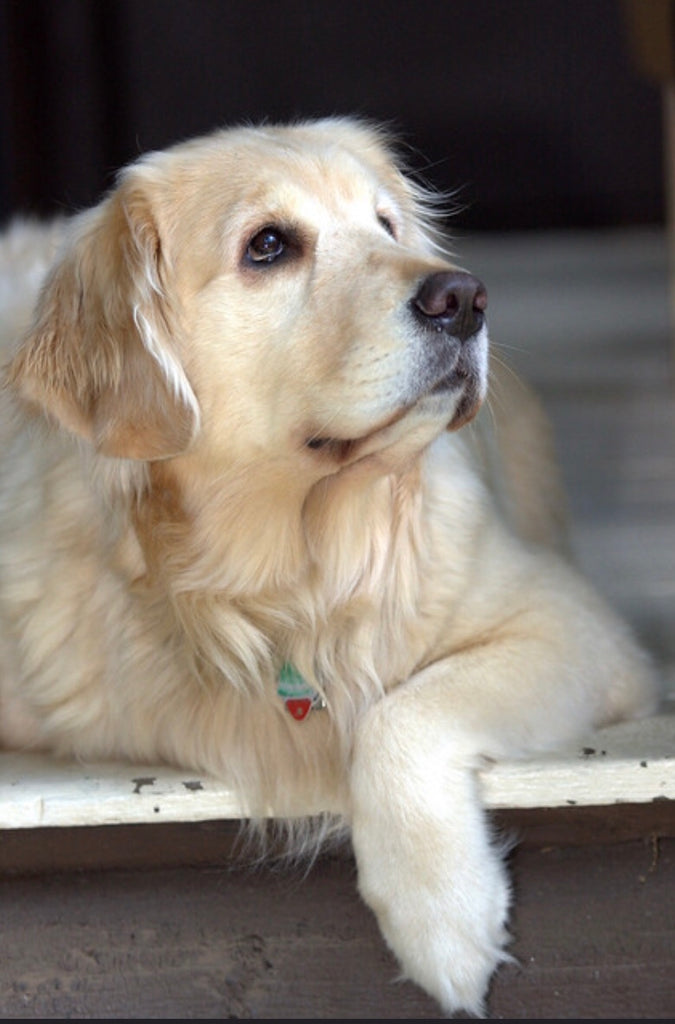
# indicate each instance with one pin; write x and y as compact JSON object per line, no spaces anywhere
{"x":299,"y":697}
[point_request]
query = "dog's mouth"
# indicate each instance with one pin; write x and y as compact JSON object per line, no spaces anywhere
{"x":470,"y":399}
{"x":344,"y":450}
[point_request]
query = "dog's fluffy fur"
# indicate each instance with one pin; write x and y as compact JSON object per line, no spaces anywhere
{"x":230,"y":439}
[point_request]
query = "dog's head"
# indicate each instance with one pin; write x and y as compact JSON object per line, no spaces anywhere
{"x":269,"y":291}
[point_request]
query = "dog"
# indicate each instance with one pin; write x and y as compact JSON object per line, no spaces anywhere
{"x":254,"y":524}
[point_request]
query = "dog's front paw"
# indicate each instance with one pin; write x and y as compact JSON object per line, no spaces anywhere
{"x":445,"y":923}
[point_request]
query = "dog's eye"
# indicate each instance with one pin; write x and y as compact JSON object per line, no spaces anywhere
{"x":386,"y":223}
{"x":266,"y":246}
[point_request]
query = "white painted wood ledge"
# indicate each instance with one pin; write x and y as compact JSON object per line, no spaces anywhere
{"x":627,"y":763}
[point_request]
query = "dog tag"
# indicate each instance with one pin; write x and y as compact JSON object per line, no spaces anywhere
{"x":298,"y":696}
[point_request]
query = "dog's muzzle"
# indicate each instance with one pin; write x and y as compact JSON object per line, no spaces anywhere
{"x":450,"y":370}
{"x":450,"y":308}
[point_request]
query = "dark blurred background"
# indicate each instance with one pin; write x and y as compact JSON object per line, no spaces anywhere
{"x":533,"y":109}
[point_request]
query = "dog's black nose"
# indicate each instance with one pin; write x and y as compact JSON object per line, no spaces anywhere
{"x":453,"y":302}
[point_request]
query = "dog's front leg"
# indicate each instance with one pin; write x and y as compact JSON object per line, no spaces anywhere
{"x":427,"y":864}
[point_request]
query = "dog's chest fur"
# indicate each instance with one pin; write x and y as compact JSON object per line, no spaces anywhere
{"x":95,"y":619}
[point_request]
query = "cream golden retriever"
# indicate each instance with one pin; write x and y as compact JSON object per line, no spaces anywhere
{"x":252,"y":525}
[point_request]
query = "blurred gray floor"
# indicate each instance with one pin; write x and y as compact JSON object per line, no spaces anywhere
{"x":585,"y":317}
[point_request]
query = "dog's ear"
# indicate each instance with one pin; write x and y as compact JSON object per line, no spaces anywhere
{"x":102,"y":357}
